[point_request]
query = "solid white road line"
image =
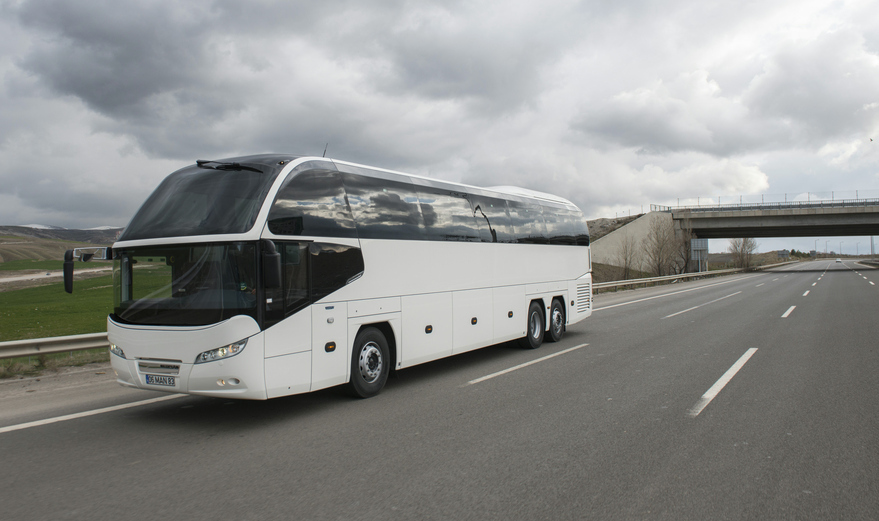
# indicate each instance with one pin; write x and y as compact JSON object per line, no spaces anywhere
{"x":520,"y":366}
{"x":700,"y":305}
{"x":87,"y":413}
{"x":788,"y":312}
{"x":718,"y":386}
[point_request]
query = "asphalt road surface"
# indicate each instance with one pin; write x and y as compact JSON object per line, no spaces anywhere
{"x":744,"y":397}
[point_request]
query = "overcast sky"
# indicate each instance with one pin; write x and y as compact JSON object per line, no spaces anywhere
{"x":614,"y":105}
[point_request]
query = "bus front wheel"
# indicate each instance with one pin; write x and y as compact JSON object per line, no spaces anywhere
{"x":370,"y":361}
{"x":534,"y":336}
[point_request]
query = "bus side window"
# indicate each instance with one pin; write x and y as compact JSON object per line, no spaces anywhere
{"x":581,"y":229}
{"x":312,"y":203}
{"x":528,"y":224}
{"x":384,"y":209}
{"x":493,"y":219}
{"x":559,"y":225}
{"x":447,"y":216}
{"x":332,"y":267}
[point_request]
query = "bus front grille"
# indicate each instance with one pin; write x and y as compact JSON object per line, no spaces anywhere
{"x":155,"y":367}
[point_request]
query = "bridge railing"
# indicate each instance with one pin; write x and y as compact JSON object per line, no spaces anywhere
{"x":787,"y":205}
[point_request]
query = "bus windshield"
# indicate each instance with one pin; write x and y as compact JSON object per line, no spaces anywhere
{"x":187,"y":285}
{"x":202,"y":201}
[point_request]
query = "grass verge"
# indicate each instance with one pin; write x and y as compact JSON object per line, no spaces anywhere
{"x":48,"y":311}
{"x":38,"y":364}
{"x":17,"y":265}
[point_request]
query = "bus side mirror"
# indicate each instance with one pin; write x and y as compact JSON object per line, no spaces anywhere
{"x":271,"y":265}
{"x":68,"y":271}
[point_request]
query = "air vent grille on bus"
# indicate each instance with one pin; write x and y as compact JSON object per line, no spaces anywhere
{"x":584,"y":297}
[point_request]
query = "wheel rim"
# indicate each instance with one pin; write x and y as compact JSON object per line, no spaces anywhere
{"x":370,"y":362}
{"x":557,"y":320}
{"x":535,"y":325}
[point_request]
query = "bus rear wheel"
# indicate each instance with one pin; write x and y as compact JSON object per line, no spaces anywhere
{"x":534,"y":336}
{"x":556,"y":321}
{"x":370,"y":363}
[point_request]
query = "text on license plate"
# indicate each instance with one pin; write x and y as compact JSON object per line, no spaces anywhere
{"x":152,"y":379}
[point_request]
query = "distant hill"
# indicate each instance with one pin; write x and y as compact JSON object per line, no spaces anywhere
{"x":103,"y":235}
{"x":48,"y":243}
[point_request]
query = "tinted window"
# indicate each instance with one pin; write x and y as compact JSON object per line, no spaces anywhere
{"x":581,"y":228}
{"x":312,"y":271}
{"x":332,"y":267}
{"x":493,"y":219}
{"x":202,"y":201}
{"x":527,"y":221}
{"x":312,"y":203}
{"x":187,"y":285}
{"x":293,"y":294}
{"x":447,"y":216}
{"x":294,"y":260}
{"x":383,"y":209}
{"x":559,"y":225}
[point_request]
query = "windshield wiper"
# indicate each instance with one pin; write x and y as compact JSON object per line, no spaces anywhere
{"x":205,"y":163}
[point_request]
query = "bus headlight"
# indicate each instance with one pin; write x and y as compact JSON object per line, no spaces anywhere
{"x":221,"y":352}
{"x":117,"y":351}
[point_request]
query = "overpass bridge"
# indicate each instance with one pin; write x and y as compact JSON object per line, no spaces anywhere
{"x":851,"y":217}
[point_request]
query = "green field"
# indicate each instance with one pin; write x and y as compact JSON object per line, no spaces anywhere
{"x":15,"y":265}
{"x":48,"y":311}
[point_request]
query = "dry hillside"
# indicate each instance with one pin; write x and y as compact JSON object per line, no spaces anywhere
{"x":600,"y":227}
{"x":21,"y":243}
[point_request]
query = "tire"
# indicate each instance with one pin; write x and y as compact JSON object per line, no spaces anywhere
{"x":535,"y":329}
{"x":556,"y":321}
{"x":370,"y":363}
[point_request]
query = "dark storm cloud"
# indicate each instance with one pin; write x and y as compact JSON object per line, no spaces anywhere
{"x":190,"y":78}
{"x":469,"y":57}
{"x":114,"y":59}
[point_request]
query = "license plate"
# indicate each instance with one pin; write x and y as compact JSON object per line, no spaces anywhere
{"x":152,"y":379}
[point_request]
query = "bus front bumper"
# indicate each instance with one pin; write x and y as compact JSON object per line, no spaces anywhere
{"x":236,"y":377}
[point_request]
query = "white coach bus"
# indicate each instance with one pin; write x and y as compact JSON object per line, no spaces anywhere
{"x":270,"y":275}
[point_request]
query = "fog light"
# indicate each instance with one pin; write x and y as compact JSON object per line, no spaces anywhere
{"x":221,"y":382}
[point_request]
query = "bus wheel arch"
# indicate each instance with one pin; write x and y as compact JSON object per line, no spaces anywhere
{"x":557,"y":320}
{"x":535,"y":325}
{"x":373,"y":357}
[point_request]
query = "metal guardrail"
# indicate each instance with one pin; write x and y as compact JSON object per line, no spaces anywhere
{"x":57,"y":344}
{"x":653,"y":280}
{"x":682,"y":276}
{"x":63,"y":344}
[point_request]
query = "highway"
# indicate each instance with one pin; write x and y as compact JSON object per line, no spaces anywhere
{"x":750,"y":396}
